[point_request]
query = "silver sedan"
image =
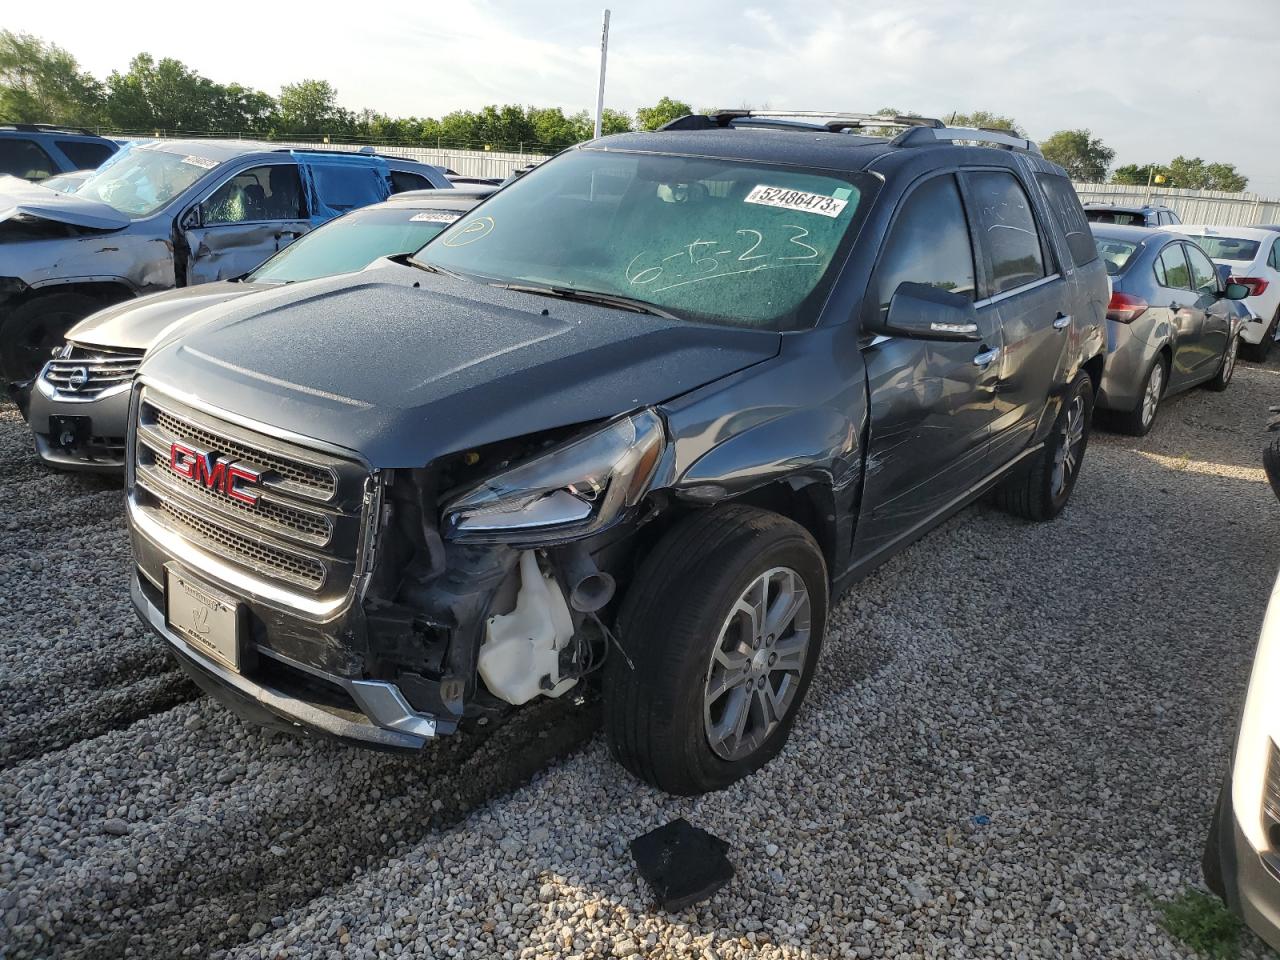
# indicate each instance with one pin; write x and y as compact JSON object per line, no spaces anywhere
{"x":1171,"y":323}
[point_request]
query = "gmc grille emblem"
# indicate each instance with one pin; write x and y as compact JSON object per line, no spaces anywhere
{"x":216,"y":473}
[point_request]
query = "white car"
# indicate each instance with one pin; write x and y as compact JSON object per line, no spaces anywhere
{"x":1242,"y":852}
{"x":1253,"y":256}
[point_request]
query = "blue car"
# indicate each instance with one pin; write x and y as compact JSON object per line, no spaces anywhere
{"x":37,"y":151}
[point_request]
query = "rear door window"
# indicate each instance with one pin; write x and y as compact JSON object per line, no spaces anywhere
{"x":929,"y":243}
{"x":1066,"y":207}
{"x":266,"y":193}
{"x":1171,"y":268}
{"x":1007,"y":226}
{"x":25,"y":159}
{"x":343,"y":187}
{"x":85,"y":154}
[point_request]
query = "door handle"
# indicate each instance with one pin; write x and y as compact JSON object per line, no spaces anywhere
{"x":1063,"y":321}
{"x":986,"y":357}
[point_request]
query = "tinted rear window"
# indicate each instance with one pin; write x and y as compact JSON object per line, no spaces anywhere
{"x":85,"y":154}
{"x":1070,"y":215}
{"x":1115,"y":254}
{"x":1229,"y":248}
{"x":1125,"y":218}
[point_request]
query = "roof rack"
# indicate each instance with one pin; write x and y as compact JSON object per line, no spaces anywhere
{"x":46,"y":127}
{"x":832,"y":122}
{"x":922,"y":136}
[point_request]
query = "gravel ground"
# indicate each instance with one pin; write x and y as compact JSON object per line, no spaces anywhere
{"x":1010,"y":750}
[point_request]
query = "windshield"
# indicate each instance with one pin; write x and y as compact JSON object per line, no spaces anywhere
{"x":353,"y":242}
{"x":722,"y":241}
{"x":141,"y":181}
{"x":1115,"y":253}
{"x":1229,"y":248}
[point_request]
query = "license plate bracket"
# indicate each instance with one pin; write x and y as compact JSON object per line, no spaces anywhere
{"x":208,"y":620}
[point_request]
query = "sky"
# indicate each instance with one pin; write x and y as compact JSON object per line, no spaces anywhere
{"x":1153,"y":81}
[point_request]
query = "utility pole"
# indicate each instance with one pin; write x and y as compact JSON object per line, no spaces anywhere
{"x":604,"y":53}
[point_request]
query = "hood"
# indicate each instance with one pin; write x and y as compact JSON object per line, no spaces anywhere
{"x":401,"y":366}
{"x":137,"y":324}
{"x":20,"y":198}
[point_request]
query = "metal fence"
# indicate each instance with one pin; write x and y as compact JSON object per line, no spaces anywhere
{"x":1194,"y":206}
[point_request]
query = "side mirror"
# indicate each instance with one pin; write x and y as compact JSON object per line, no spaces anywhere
{"x":929,"y":313}
{"x":1236,"y":291}
{"x":191,"y":219}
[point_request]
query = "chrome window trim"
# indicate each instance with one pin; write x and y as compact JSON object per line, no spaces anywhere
{"x":1006,"y":294}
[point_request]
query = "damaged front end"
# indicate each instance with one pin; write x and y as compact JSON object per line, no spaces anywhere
{"x":380,"y":606}
{"x":488,"y":576}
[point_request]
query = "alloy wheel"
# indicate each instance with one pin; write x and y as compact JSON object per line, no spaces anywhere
{"x":1066,"y":459}
{"x":1151,"y":397}
{"x":757,"y":663}
{"x":1229,"y":361}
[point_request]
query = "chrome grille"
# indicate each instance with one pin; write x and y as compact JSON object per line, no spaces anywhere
{"x":88,"y":372}
{"x":304,"y":530}
{"x":307,"y":478}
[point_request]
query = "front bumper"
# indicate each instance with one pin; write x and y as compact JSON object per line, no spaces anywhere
{"x":79,"y":434}
{"x":1250,"y":878}
{"x":377,"y":714}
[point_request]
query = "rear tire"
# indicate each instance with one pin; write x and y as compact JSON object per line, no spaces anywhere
{"x":35,"y":328}
{"x":1139,"y":421}
{"x":1222,"y":379}
{"x":712,"y":697}
{"x":1257,"y":352}
{"x":1040,"y":488}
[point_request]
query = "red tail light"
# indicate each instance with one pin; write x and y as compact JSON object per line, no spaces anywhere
{"x":1125,"y":307}
{"x":1257,"y":285}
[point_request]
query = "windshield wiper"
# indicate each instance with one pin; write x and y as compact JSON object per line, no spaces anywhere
{"x":613,"y":300}
{"x":432,"y":268}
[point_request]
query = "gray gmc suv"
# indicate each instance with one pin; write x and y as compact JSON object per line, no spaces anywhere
{"x":641,"y":415}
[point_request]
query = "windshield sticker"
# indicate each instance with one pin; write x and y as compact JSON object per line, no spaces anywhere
{"x":202,"y":162}
{"x":477,"y":229}
{"x":435,"y":216}
{"x":796,"y":200}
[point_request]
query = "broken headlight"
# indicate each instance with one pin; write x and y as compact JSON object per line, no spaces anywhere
{"x":570,"y":491}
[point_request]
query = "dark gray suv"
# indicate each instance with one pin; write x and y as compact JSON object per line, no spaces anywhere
{"x":643,"y":413}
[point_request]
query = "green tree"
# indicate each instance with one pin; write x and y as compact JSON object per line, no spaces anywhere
{"x":1194,"y":174}
{"x":552,"y":130}
{"x":1082,"y":155}
{"x":1135,"y":174}
{"x":311,"y":106}
{"x":984,"y":118}
{"x":43,"y":83}
{"x":169,"y":95}
{"x":664,"y":111}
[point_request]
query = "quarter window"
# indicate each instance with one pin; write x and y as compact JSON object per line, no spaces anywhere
{"x":401,"y":181}
{"x":1204,"y":277}
{"x":271,"y":192}
{"x":929,"y":243}
{"x":1171,"y":268}
{"x":1066,"y":207}
{"x":1011,"y":241}
{"x":1273,"y":261}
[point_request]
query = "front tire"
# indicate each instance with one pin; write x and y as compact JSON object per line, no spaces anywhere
{"x":35,"y":328}
{"x":723,"y":625}
{"x":1222,"y":379}
{"x":1039,"y":489}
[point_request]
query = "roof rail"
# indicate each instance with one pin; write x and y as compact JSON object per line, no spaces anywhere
{"x":832,"y":121}
{"x":922,"y":136}
{"x":47,"y":127}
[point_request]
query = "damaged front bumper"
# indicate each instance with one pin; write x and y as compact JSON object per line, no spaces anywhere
{"x":382,"y":717}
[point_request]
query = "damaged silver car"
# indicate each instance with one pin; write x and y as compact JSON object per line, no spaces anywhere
{"x":78,"y":406}
{"x":167,"y":214}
